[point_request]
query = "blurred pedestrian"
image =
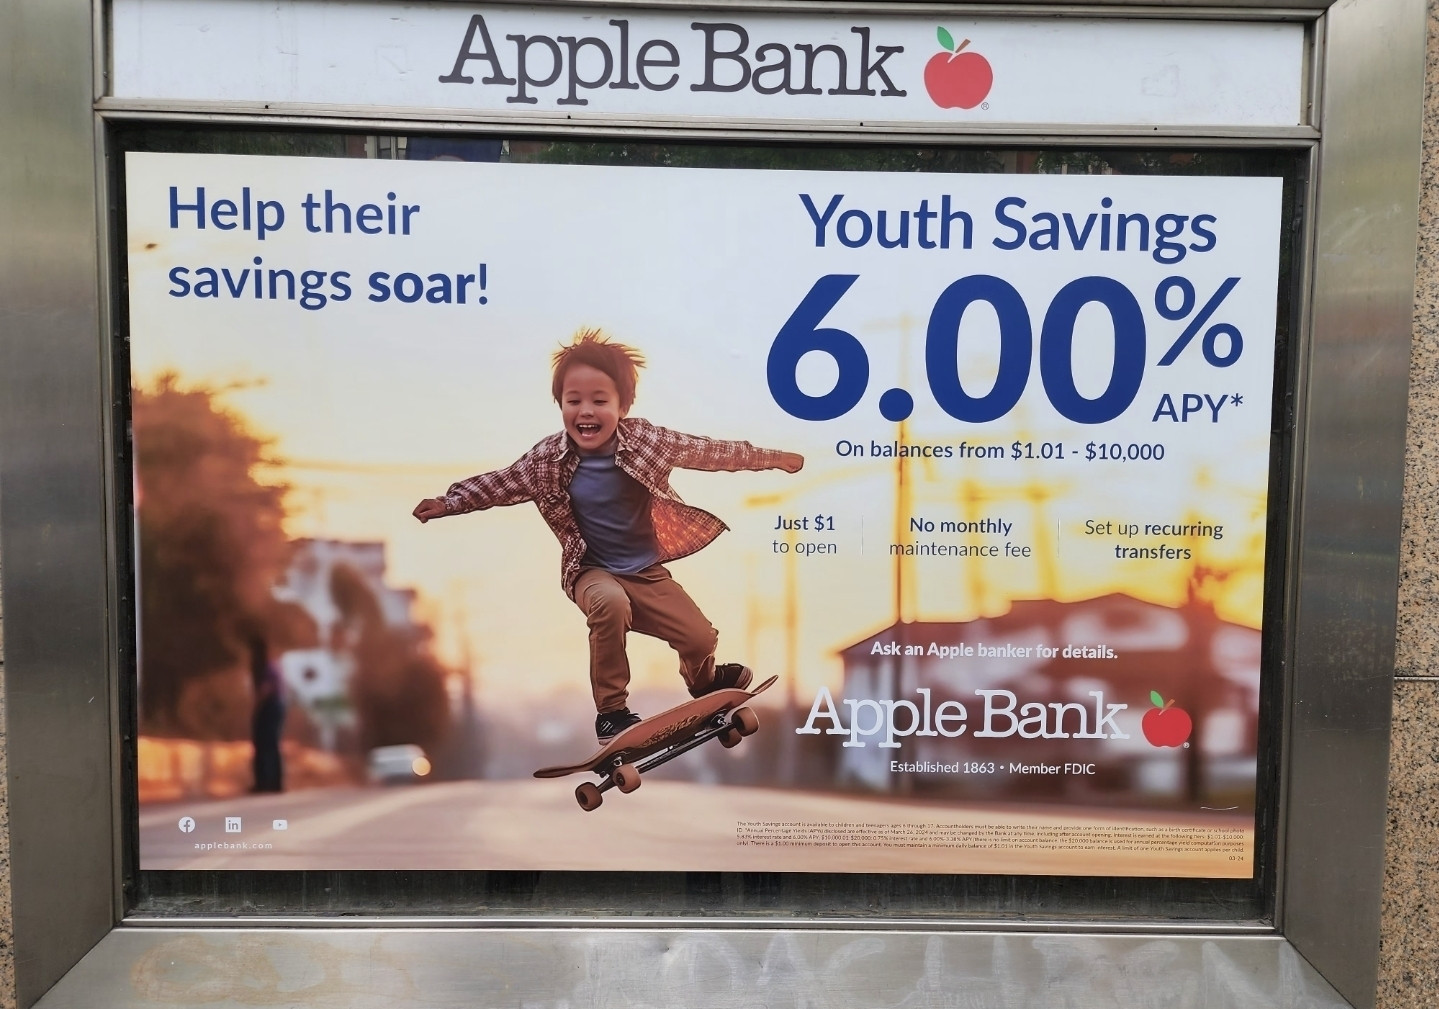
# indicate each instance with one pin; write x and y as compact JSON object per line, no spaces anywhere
{"x":268,"y":719}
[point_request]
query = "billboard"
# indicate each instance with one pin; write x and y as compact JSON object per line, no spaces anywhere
{"x":968,"y":472}
{"x":852,"y":69}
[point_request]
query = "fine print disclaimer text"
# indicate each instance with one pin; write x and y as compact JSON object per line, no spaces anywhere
{"x":1157,"y":838}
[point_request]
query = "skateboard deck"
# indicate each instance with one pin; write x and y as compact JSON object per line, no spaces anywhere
{"x":660,"y":738}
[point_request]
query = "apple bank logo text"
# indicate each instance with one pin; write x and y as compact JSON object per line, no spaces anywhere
{"x":1000,"y":716}
{"x":624,"y":60}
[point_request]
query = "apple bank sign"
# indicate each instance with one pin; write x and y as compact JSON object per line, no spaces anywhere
{"x":867,"y":69}
{"x":567,"y":69}
{"x":494,"y":62}
{"x":991,"y":714}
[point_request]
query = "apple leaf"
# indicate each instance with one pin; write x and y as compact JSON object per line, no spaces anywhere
{"x":1156,"y":698}
{"x":946,"y":39}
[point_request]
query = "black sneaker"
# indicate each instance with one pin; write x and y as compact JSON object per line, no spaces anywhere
{"x":727,"y":675}
{"x":609,"y":724}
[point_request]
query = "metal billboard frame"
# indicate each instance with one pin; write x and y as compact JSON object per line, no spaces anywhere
{"x":66,"y":733}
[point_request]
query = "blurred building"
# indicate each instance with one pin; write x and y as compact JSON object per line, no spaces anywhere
{"x":319,"y":678}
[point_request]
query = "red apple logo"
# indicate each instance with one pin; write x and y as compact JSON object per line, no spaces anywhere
{"x":956,"y":79}
{"x":1164,"y":724}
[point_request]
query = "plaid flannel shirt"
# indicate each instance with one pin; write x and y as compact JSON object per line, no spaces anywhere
{"x":647,"y":453}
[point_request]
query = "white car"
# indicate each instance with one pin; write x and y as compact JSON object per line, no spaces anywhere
{"x":401,"y":764}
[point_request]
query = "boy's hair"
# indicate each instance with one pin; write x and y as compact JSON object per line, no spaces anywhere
{"x":619,"y":361}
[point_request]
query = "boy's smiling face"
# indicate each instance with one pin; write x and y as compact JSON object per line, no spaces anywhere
{"x":590,"y":405}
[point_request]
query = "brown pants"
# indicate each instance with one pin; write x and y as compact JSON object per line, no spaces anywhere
{"x":652,"y":603}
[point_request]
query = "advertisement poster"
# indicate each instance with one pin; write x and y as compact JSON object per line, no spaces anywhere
{"x":968,"y":471}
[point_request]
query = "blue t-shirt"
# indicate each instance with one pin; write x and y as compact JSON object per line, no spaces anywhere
{"x":612,"y":510}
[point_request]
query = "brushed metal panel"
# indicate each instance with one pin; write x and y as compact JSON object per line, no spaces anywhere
{"x":1351,"y":487}
{"x":420,"y":120}
{"x":1028,"y":926}
{"x":137,"y":968}
{"x":1161,"y":8}
{"x":52,"y":497}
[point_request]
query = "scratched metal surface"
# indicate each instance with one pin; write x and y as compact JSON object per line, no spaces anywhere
{"x":639,"y":969}
{"x":53,"y":459}
{"x":1352,"y":483}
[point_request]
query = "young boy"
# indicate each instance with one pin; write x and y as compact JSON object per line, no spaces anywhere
{"x":602,"y":485}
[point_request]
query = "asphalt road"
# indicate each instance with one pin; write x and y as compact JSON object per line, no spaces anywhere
{"x":670,"y":825}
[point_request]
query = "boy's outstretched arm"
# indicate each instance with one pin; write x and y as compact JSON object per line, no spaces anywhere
{"x":693,"y":451}
{"x":507,"y":486}
{"x":430,"y":508}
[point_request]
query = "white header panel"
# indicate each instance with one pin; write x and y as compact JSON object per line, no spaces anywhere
{"x":483,"y":60}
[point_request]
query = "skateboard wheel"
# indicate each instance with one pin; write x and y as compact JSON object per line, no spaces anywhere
{"x":626,"y":778}
{"x":588,"y":796}
{"x":731,"y":737}
{"x":745,"y":720}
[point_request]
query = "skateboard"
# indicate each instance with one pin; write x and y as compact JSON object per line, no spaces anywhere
{"x":661,"y":738}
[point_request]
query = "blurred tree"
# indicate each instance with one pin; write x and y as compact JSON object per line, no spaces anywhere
{"x":398,"y":687}
{"x":211,"y":547}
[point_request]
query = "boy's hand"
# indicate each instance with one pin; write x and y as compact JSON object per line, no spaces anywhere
{"x":791,"y":462}
{"x":430,"y":508}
